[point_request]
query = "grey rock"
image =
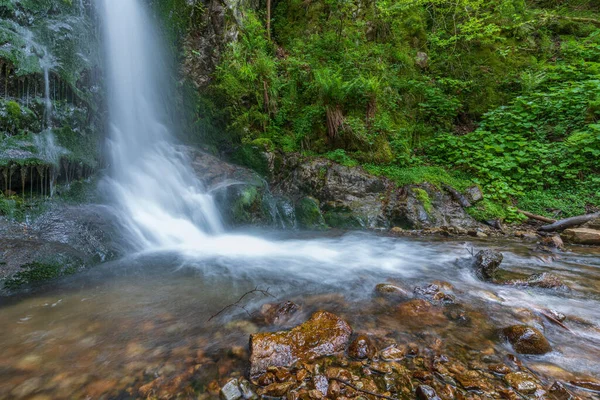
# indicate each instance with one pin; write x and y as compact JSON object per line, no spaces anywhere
{"x":231,"y":390}
{"x":486,"y":262}
{"x":474,"y":194}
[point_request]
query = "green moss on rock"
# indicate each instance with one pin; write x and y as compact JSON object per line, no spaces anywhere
{"x":308,"y":214}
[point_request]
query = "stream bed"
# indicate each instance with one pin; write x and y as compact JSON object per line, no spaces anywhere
{"x":110,"y":332}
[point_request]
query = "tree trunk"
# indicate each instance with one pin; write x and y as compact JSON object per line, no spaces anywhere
{"x":269,"y":19}
{"x":462,"y":200}
{"x":537,"y":217}
{"x":569,"y":222}
{"x":335,"y":119}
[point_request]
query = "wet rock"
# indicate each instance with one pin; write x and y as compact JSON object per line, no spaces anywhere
{"x":527,"y":340}
{"x":473,"y":380}
{"x":486,"y":263}
{"x":392,"y":291}
{"x":587,"y":384}
{"x":231,"y":390}
{"x":308,"y":214}
{"x":424,"y":392}
{"x":419,"y":312}
{"x":276,"y":389}
{"x":553,"y":242}
{"x":323,"y":334}
{"x":433,"y":293}
{"x":393,"y":353}
{"x":546,"y":280}
{"x":582,"y":236}
{"x":246,"y":389}
{"x":362,"y":348}
{"x":558,"y":391}
{"x":500,"y":369}
{"x":521,"y":382}
{"x":275,"y":314}
{"x":321,"y":384}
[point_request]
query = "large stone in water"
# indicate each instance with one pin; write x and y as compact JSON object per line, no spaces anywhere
{"x":322,"y":335}
{"x":231,"y":390}
{"x":527,"y":340}
{"x":582,"y":236}
{"x":486,"y":263}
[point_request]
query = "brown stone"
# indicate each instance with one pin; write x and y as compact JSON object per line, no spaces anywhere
{"x":558,"y":391}
{"x":554,"y":242}
{"x":361,"y":348}
{"x":500,"y":369}
{"x":527,"y":340}
{"x":473,"y":380}
{"x":274,"y":314}
{"x":521,"y":382}
{"x":420,"y":312}
{"x":390,"y":290}
{"x":582,"y":236}
{"x":393,"y":353}
{"x":322,"y":335}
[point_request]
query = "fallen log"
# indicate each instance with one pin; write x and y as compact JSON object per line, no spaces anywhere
{"x":462,"y":200}
{"x":537,"y":217}
{"x":569,"y":222}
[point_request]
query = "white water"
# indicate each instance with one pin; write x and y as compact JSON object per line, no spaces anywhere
{"x":162,"y":202}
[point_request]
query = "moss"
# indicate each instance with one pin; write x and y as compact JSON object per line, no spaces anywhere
{"x":488,"y":210}
{"x":416,"y":175}
{"x":39,"y":272}
{"x":252,"y":157}
{"x":424,"y":199}
{"x":308,"y":214}
{"x":342,"y":219}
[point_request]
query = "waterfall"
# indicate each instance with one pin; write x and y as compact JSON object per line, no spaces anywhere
{"x":47,"y":101}
{"x":161,"y":201}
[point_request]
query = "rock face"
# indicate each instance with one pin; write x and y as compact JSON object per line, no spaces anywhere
{"x":323,"y":334}
{"x":350,"y":197}
{"x":527,"y":340}
{"x":582,"y":236}
{"x":241,"y":195}
{"x":486,"y":263}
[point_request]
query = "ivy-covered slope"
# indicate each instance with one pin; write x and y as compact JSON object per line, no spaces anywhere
{"x":501,"y":93}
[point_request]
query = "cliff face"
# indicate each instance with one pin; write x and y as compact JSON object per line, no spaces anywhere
{"x":50,"y":95}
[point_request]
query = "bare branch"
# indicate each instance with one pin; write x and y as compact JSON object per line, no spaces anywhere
{"x":383,"y":396}
{"x":237,"y":303}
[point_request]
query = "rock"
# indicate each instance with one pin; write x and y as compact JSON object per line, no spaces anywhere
{"x":276,"y":389}
{"x":393,"y":353}
{"x":422,"y":59}
{"x":308,"y":214}
{"x":473,"y":380}
{"x":553,"y":242}
{"x":521,"y":382}
{"x":246,"y":389}
{"x":349,"y":197}
{"x":558,"y":391}
{"x":362,"y":348}
{"x":273,"y":314}
{"x":587,"y":384}
{"x":546,"y":280}
{"x":321,"y":384}
{"x":582,"y":236}
{"x":231,"y":390}
{"x":474,"y":194}
{"x":420,"y":312}
{"x":500,"y":369}
{"x":527,"y":340}
{"x":392,"y":291}
{"x":593,"y":224}
{"x":322,"y":335}
{"x":486,"y":263}
{"x":424,"y":392}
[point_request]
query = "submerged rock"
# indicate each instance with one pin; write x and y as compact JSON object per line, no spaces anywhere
{"x":425,"y":392}
{"x":392,"y":291}
{"x":322,"y":335}
{"x":558,"y":391}
{"x":521,"y":382}
{"x":527,"y":340}
{"x":275,"y":314}
{"x":486,"y":263}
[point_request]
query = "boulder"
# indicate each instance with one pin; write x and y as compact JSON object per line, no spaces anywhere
{"x":582,"y":236}
{"x":322,"y":335}
{"x":424,"y":392}
{"x":276,"y":314}
{"x":486,"y":262}
{"x":474,"y":194}
{"x":527,"y":340}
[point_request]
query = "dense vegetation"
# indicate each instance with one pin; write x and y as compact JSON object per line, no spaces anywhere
{"x":502,"y":93}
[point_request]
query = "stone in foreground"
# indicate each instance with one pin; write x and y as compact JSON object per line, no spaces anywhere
{"x":527,"y":340}
{"x":582,"y":236}
{"x":486,"y":263}
{"x":323,"y":334}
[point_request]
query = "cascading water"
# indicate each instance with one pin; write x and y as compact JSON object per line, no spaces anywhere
{"x":161,"y":200}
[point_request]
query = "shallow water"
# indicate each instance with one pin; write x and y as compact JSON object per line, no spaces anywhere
{"x":147,"y":316}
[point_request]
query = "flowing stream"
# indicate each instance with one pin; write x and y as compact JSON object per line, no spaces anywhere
{"x":147,"y":317}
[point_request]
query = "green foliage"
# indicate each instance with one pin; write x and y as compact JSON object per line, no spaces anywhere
{"x":500,"y":93}
{"x":424,"y":199}
{"x":38,"y":272}
{"x":488,"y":210}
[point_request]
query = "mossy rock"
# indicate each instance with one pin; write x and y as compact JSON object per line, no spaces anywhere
{"x":308,"y":214}
{"x":424,"y":199}
{"x":253,"y":157}
{"x":343,"y":218}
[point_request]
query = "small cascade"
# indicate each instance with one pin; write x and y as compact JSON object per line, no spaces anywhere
{"x":47,"y":101}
